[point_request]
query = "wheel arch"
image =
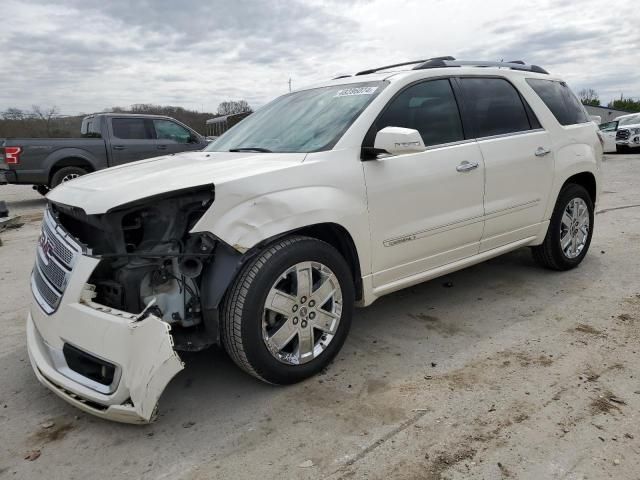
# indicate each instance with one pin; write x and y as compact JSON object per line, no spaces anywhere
{"x":586,"y":180}
{"x":221,"y":273}
{"x":339,"y":238}
{"x":71,"y":161}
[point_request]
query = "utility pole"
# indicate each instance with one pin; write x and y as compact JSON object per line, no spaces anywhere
{"x":289,"y":84}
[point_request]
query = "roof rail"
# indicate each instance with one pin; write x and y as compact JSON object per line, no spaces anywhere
{"x":373,"y":70}
{"x":516,"y":65}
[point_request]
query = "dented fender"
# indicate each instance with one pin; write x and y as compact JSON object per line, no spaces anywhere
{"x":249,"y":210}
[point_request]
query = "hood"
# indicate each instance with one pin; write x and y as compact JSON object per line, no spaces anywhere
{"x":101,"y":191}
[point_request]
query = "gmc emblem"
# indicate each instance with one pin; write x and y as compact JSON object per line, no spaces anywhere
{"x":47,"y":247}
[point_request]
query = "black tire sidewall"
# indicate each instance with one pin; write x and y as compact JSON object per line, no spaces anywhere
{"x":57,"y":177}
{"x":567,"y":194}
{"x":259,"y":357}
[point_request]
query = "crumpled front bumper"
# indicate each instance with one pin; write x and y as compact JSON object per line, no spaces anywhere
{"x":140,"y":350}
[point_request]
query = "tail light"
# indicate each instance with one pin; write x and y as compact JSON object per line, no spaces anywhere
{"x":12,"y":155}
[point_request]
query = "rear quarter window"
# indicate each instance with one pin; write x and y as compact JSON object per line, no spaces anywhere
{"x":559,"y":98}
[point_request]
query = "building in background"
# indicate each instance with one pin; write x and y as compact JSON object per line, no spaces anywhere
{"x":606,"y":114}
{"x":218,"y":125}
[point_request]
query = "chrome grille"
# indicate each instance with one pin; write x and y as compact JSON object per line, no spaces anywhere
{"x":55,"y":257}
{"x":61,"y":251}
{"x":53,"y":270}
{"x":622,"y":134}
{"x":47,"y":297}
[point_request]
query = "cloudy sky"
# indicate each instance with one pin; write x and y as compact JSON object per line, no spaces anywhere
{"x":87,"y":55}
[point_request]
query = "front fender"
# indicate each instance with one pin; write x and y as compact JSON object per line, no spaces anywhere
{"x":243,"y":224}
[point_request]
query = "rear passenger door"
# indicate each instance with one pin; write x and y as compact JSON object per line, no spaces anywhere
{"x":132,"y":139}
{"x":518,"y":159}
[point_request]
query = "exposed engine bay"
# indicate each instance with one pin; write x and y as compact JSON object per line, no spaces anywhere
{"x":150,"y":264}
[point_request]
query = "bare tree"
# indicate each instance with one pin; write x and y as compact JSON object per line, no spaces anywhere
{"x":588,"y":96}
{"x":46,"y":116}
{"x":234,"y":106}
{"x":14,"y":114}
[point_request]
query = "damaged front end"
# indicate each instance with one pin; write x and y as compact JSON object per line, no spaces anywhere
{"x":117,"y":293}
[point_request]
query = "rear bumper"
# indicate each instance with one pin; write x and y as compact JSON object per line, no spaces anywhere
{"x":141,"y":352}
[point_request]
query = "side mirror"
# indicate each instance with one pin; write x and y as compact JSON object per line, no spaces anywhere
{"x":595,"y":119}
{"x":398,"y":140}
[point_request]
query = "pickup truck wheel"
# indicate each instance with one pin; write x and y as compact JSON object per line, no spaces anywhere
{"x":289,"y":310}
{"x":570,"y":230}
{"x":65,"y":174}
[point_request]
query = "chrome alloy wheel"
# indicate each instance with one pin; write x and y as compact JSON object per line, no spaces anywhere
{"x":574,"y":228}
{"x":68,"y":177}
{"x":302,"y":313}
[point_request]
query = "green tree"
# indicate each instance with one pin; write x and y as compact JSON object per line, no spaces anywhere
{"x":628,"y":104}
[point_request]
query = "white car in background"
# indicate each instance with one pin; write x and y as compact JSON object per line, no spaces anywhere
{"x":628,"y":133}
{"x":608,"y":131}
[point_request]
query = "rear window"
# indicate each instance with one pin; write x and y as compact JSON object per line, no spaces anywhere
{"x":559,"y":98}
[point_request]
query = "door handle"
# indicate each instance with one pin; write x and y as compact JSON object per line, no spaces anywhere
{"x":162,"y":147}
{"x":118,"y":147}
{"x":541,"y":152}
{"x":466,"y":166}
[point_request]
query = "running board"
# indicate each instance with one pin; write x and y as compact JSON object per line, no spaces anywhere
{"x":448,"y":268}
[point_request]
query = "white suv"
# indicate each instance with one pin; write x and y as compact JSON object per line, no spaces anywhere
{"x":325,"y":198}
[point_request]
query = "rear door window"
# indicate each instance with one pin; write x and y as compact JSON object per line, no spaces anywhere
{"x":429,"y":107}
{"x":559,"y":98}
{"x":494,"y":107}
{"x":131,"y":129}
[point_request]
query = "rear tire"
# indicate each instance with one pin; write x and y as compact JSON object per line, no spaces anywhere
{"x":570,"y":230}
{"x":267,"y":316}
{"x":65,"y":174}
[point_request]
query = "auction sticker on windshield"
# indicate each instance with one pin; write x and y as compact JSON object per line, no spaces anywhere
{"x":346,"y":92}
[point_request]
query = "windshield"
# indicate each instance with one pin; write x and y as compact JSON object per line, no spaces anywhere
{"x":304,"y":121}
{"x":632,"y":120}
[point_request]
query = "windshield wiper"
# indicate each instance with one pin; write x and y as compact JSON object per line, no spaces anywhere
{"x":250,"y":149}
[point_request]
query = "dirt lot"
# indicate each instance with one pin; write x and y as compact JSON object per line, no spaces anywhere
{"x":508,"y":371}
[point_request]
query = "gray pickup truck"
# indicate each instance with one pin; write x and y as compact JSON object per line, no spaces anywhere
{"x":108,"y":139}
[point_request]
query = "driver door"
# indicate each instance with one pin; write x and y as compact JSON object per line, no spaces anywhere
{"x":174,"y":138}
{"x":426,"y":209}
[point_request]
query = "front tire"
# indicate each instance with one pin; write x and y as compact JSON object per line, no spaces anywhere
{"x":570,"y":230}
{"x":288,"y":312}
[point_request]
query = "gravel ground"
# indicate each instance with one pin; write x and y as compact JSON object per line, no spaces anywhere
{"x":508,"y":371}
